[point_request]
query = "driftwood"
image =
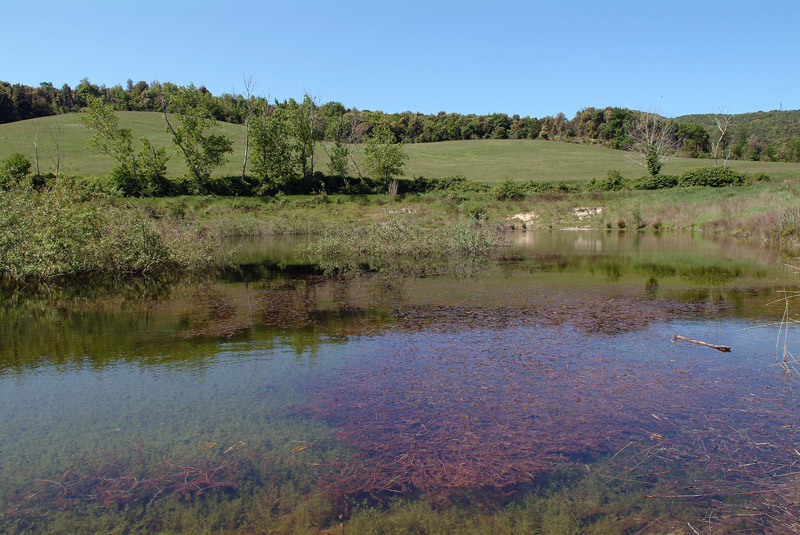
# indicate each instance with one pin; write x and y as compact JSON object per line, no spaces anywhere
{"x":724,"y":349}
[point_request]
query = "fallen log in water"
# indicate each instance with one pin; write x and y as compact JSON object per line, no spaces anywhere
{"x":724,"y":349}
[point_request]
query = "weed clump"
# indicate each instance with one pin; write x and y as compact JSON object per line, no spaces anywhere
{"x":396,"y":246}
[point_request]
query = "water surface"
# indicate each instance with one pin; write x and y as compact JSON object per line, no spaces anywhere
{"x":273,"y":398}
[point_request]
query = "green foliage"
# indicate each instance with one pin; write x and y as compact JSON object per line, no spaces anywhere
{"x":457,"y":183}
{"x":508,"y":190}
{"x":64,"y":236}
{"x":650,"y":182}
{"x":307,"y":130}
{"x":153,"y":170}
{"x":476,"y":211}
{"x":110,"y":139}
{"x":636,"y":217}
{"x":714,"y":177}
{"x":653,"y":161}
{"x":13,"y":170}
{"x":399,"y":246}
{"x":613,"y":181}
{"x":384,"y":157}
{"x":694,"y":139}
{"x":339,"y":164}
{"x":790,"y":223}
{"x":759,"y":177}
{"x":202,"y":152}
{"x":273,"y":152}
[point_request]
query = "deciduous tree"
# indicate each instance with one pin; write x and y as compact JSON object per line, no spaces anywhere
{"x":384,"y":157}
{"x":193,"y":110}
{"x":308,"y":129}
{"x":653,"y":139}
{"x":110,"y":139}
{"x":274,"y":152}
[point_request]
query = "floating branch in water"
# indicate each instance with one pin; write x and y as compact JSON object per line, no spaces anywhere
{"x":724,"y":349}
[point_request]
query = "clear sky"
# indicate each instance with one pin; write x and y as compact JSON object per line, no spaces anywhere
{"x":529,"y":58}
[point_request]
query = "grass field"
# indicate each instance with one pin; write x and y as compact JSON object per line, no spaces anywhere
{"x":487,"y":160}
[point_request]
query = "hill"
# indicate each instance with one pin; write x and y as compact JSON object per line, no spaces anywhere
{"x":764,"y":134}
{"x":488,"y":160}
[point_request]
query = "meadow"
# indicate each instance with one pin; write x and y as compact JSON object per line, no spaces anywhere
{"x":490,"y":160}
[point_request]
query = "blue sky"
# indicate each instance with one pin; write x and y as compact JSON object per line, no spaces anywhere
{"x":530,"y":58}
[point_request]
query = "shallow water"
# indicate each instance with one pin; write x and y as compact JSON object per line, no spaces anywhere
{"x":274,"y":398}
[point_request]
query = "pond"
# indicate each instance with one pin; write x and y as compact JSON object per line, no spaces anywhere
{"x":544,"y":394}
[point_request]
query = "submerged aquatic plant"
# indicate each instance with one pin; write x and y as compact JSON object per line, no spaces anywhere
{"x":396,"y":246}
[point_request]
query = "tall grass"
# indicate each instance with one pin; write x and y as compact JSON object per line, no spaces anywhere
{"x":54,"y":233}
{"x":403,"y":247}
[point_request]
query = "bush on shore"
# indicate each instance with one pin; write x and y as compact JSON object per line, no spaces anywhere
{"x":52,"y":232}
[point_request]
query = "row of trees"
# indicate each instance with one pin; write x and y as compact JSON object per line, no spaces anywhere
{"x":607,"y":126}
{"x":281,"y":144}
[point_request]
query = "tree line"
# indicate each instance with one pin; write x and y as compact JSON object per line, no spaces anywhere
{"x":281,"y":140}
{"x":607,"y":126}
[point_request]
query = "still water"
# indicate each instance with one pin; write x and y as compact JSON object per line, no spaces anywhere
{"x":542,"y":394}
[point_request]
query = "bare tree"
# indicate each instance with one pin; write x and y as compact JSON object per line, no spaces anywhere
{"x":654,"y":140}
{"x":36,"y":151}
{"x":249,"y":85}
{"x":309,"y":128}
{"x":56,"y":137}
{"x":723,"y":122}
{"x":356,"y":134}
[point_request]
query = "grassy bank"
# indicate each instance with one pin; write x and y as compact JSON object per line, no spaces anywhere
{"x":57,"y":232}
{"x":763,"y":211}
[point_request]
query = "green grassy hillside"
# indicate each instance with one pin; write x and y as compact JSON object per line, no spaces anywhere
{"x":77,"y":158}
{"x":489,"y":160}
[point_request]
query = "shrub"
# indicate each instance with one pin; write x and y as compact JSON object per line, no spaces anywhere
{"x":64,"y":236}
{"x":508,"y":190}
{"x":613,"y":181}
{"x":475,"y":211}
{"x":714,"y":177}
{"x":649,"y":182}
{"x":13,"y":169}
{"x":759,"y":177}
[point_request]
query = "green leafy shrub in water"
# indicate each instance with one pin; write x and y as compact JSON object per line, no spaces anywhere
{"x":714,"y":177}
{"x":53,"y":233}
